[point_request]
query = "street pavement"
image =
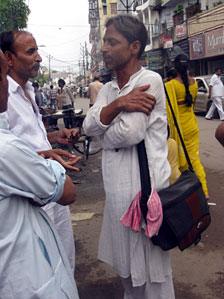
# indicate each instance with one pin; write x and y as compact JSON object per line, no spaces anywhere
{"x":198,"y":272}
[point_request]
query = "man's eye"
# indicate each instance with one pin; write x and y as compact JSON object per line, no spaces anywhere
{"x":31,"y":51}
{"x":112,"y":43}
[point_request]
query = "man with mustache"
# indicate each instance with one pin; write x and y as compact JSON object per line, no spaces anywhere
{"x":25,"y":121}
{"x":33,"y":262}
{"x":129,"y":109}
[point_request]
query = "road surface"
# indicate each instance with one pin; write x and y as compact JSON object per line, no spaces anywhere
{"x":198,"y":272}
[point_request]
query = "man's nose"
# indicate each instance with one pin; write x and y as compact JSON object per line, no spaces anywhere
{"x":38,"y":57}
{"x":104,"y":48}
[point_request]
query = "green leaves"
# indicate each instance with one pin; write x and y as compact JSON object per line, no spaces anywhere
{"x":13,"y":14}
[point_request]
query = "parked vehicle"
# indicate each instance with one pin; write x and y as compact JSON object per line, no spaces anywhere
{"x":203,"y":103}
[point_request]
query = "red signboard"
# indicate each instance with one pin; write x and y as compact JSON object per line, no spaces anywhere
{"x":180,"y":31}
{"x":196,"y":46}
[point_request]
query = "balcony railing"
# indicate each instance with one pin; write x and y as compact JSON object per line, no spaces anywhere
{"x":178,"y":18}
{"x":193,"y":10}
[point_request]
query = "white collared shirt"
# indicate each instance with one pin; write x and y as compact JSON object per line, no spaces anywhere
{"x":23,"y":114}
{"x":217,"y":86}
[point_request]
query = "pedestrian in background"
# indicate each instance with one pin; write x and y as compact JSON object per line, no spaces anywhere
{"x":65,"y":101}
{"x":93,"y":90}
{"x":25,"y":121}
{"x":39,"y":98}
{"x":123,"y":116}
{"x":216,"y":94}
{"x":33,"y":261}
{"x":182,"y":91}
{"x":52,"y":94}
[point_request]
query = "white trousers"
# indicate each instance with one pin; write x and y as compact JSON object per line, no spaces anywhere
{"x":216,"y":103}
{"x":149,"y":290}
{"x":60,"y":216}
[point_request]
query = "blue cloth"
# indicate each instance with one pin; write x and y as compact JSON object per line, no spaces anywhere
{"x":33,"y":262}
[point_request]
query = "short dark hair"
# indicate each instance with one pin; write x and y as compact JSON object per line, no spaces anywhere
{"x":7,"y":40}
{"x":131,"y":28}
{"x":217,"y":69}
{"x":61,"y":82}
{"x":35,"y":84}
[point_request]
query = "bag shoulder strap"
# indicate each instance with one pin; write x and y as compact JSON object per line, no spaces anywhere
{"x":178,"y":131}
{"x":144,"y":176}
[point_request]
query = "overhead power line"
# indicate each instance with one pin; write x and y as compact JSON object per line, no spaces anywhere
{"x":57,"y":25}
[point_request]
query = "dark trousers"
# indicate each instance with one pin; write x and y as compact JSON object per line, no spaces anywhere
{"x":69,"y":115}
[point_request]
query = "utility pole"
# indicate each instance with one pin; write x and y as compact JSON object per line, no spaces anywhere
{"x":83,"y":60}
{"x":49,"y":68}
{"x":87,"y":57}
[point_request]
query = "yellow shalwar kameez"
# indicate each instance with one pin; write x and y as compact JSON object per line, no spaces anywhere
{"x":188,"y":125}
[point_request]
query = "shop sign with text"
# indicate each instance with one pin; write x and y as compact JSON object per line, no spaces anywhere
{"x":214,"y":42}
{"x":180,"y":31}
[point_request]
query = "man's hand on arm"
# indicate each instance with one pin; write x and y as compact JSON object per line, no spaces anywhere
{"x":138,"y":100}
{"x":63,"y":136}
{"x":66,"y":159}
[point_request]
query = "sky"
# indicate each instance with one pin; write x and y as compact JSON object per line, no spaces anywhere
{"x":60,"y":29}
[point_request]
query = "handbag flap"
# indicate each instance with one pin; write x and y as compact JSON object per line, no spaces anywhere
{"x":184,"y":186}
{"x":186,"y":213}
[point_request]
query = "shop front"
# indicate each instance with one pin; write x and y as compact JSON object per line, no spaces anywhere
{"x":155,"y":60}
{"x":207,"y":51}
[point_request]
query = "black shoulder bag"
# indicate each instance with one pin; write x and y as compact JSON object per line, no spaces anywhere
{"x":185,"y":208}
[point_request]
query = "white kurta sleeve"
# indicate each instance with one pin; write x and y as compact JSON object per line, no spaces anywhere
{"x":30,"y":176}
{"x":130,"y":128}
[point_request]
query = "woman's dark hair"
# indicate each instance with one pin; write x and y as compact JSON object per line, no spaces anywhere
{"x":171,"y":73}
{"x":131,"y":28}
{"x":181,"y":65}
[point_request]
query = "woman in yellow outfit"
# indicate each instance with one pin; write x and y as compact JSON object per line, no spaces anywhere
{"x":182,"y":91}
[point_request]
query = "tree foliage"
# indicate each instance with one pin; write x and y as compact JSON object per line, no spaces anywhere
{"x":13,"y":14}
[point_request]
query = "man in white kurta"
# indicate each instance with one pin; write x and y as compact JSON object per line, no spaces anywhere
{"x":121,"y":116}
{"x":25,"y":120}
{"x":216,"y":93}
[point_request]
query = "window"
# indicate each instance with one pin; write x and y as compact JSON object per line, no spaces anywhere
{"x":201,"y":84}
{"x":104,"y":3}
{"x":113,"y":8}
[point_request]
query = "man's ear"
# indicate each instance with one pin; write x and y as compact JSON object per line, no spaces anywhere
{"x":135,"y":46}
{"x":9,"y":57}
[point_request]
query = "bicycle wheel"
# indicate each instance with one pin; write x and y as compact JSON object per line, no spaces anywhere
{"x":93,"y":146}
{"x":80,"y":145}
{"x":83,"y":146}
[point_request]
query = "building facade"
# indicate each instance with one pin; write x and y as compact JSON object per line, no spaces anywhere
{"x":99,"y":11}
{"x":194,"y":27}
